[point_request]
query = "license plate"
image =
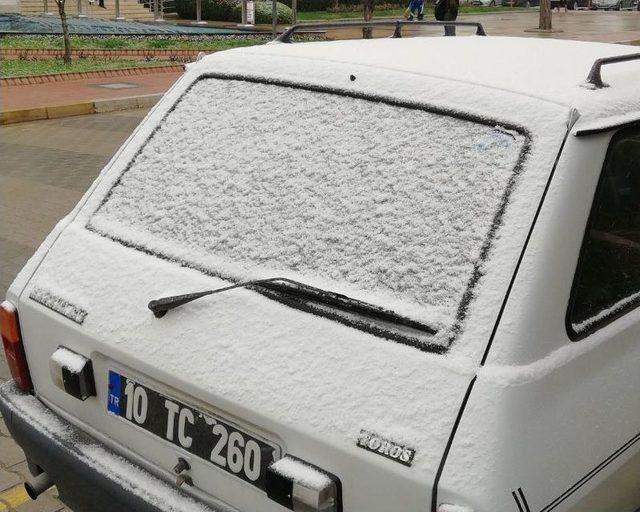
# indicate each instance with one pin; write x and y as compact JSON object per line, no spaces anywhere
{"x":202,"y":434}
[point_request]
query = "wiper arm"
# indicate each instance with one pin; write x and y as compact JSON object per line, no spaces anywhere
{"x":300,"y":294}
{"x":160,"y":306}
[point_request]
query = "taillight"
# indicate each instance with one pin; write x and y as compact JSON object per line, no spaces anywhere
{"x":13,"y":349}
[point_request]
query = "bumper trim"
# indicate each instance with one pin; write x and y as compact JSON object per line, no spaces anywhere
{"x":89,"y":476}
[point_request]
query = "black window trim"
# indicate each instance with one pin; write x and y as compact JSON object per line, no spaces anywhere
{"x":632,"y":304}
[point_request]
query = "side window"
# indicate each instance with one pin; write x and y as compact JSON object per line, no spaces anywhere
{"x":607,"y":281}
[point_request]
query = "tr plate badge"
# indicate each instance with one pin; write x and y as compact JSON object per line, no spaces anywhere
{"x":390,"y":449}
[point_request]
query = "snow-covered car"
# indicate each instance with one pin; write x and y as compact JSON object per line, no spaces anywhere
{"x":612,"y":5}
{"x":377,"y":275}
{"x":486,"y":3}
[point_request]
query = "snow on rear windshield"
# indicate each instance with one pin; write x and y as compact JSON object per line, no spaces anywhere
{"x":385,"y":203}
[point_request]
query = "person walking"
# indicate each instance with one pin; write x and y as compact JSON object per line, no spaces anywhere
{"x":415,"y":9}
{"x":447,"y":10}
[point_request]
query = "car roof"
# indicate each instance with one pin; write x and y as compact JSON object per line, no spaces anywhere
{"x":551,"y":70}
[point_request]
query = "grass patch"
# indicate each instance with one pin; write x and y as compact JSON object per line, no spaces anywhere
{"x":131,"y":42}
{"x":20,"y":67}
{"x":395,"y":13}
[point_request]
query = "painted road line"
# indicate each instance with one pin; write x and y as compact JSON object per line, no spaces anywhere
{"x":14,"y":497}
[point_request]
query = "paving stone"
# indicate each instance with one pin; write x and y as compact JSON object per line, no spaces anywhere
{"x":22,"y":469}
{"x":5,"y":374}
{"x":8,"y":479}
{"x":4,"y":431}
{"x":46,"y":502}
{"x":10,"y":452}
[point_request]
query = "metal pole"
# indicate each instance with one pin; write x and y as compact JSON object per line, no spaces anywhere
{"x":294,"y":9}
{"x":156,"y":9}
{"x":46,"y":9}
{"x":198,"y":14}
{"x":274,"y":14}
{"x":80,"y":13}
{"x":118,"y":17}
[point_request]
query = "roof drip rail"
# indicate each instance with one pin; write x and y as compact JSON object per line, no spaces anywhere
{"x":595,"y":75}
{"x":285,"y":37}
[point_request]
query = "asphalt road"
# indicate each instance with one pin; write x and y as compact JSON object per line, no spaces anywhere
{"x":45,"y":168}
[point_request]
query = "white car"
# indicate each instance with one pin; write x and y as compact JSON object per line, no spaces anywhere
{"x":486,"y":3}
{"x":416,"y":269}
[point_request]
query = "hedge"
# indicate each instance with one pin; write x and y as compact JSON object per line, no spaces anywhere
{"x":231,"y":10}
{"x":325,"y":5}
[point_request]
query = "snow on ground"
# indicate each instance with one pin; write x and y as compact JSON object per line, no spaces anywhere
{"x":377,"y":201}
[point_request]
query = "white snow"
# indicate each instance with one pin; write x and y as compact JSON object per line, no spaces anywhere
{"x":446,"y":507}
{"x":549,"y":69}
{"x":376,"y":201}
{"x":58,"y":304}
{"x":585,"y":324}
{"x":72,"y":361}
{"x":301,"y":473}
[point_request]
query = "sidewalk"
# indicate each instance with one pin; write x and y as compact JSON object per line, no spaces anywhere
{"x":84,"y":96}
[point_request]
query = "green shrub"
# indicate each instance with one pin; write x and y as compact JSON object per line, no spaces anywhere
{"x":339,"y":6}
{"x":159,"y":43}
{"x":111,"y":42}
{"x":231,"y":10}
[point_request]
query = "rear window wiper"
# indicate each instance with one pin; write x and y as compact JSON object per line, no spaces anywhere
{"x":314,"y":299}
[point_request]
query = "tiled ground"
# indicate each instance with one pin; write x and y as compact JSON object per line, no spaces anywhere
{"x":14,"y":97}
{"x":46,"y":167}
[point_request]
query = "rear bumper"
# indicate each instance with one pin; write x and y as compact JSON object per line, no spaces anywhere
{"x":89,"y":476}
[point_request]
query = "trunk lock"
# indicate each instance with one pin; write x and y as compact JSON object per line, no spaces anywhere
{"x":179,"y":469}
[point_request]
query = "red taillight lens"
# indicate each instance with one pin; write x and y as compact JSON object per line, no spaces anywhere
{"x":13,"y":349}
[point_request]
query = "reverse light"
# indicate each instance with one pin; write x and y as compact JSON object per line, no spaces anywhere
{"x":302,"y":487}
{"x":12,"y":343}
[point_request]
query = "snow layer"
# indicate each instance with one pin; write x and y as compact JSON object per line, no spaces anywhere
{"x":58,"y":304}
{"x":580,"y":327}
{"x":70,"y":360}
{"x":386,"y":201}
{"x":556,"y":74}
{"x":301,"y":473}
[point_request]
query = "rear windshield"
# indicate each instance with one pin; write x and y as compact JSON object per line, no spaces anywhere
{"x":394,"y":205}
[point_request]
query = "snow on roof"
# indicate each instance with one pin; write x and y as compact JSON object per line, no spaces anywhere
{"x":549,"y":69}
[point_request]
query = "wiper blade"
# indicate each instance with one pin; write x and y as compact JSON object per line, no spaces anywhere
{"x":296,"y":294}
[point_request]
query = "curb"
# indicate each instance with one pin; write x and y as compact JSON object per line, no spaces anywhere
{"x":101,"y":73}
{"x":78,"y":109}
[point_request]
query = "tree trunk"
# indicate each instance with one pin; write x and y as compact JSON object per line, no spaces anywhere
{"x":65,"y":32}
{"x":367,"y":6}
{"x":334,"y":5}
{"x":545,"y":15}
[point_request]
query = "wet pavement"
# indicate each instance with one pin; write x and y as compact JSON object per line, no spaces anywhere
{"x":46,"y":167}
{"x":603,"y":26}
